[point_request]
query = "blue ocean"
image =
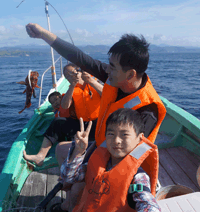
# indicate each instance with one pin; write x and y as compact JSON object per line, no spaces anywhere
{"x":175,"y":76}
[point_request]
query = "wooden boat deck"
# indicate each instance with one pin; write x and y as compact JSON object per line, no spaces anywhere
{"x":177,"y":166}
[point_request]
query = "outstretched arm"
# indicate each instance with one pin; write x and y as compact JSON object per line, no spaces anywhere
{"x":69,"y":51}
{"x":36,"y":31}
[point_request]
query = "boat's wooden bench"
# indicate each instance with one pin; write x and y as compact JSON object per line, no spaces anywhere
{"x":177,"y":166}
{"x":37,"y":186}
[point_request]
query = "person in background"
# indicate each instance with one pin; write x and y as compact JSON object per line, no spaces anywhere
{"x":55,"y":100}
{"x":81,"y":100}
{"x":122,"y":172}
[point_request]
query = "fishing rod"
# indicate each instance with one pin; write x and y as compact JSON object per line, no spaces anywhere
{"x":53,"y":72}
{"x":58,"y":15}
{"x":48,"y":22}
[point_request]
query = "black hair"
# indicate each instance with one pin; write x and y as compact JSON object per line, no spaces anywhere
{"x":127,"y":116}
{"x":70,"y":64}
{"x":56,"y":93}
{"x":133,"y":53}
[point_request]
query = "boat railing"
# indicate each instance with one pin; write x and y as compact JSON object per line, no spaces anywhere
{"x":53,"y":73}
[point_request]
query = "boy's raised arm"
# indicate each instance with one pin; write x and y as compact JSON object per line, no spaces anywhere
{"x":36,"y":31}
{"x":72,"y":169}
{"x":81,"y":140}
{"x":69,"y":51}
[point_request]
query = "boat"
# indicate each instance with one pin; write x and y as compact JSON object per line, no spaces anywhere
{"x":24,"y":186}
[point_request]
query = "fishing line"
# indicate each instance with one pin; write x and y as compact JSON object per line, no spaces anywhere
{"x":90,"y":92}
{"x":58,"y":15}
{"x":20,"y":3}
{"x":62,"y":21}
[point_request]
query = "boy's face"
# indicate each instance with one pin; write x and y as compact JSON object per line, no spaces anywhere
{"x":55,"y":101}
{"x":121,"y":140}
{"x":115,"y":73}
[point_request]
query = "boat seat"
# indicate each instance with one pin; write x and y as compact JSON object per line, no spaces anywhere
{"x":188,"y":202}
{"x":162,"y":138}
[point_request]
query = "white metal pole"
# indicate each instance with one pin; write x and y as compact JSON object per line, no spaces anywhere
{"x":53,"y":72}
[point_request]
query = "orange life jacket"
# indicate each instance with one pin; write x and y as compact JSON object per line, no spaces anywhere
{"x":144,"y":96}
{"x":107,"y":190}
{"x":62,"y":112}
{"x":86,"y":106}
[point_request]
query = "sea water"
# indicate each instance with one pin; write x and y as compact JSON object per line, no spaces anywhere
{"x":175,"y":76}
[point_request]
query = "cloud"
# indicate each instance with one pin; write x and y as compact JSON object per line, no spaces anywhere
{"x":2,"y":30}
{"x":84,"y":32}
{"x":106,"y":20}
{"x":18,"y":26}
{"x":159,"y":37}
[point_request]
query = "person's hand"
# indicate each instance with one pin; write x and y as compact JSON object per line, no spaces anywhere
{"x":86,"y":77}
{"x":81,"y":138}
{"x":34,"y":30}
{"x":73,"y":77}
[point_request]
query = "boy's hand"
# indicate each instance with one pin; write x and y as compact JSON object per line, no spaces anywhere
{"x":86,"y":77}
{"x":81,"y":138}
{"x":34,"y":30}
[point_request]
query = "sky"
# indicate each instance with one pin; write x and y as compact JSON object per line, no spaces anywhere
{"x":103,"y":22}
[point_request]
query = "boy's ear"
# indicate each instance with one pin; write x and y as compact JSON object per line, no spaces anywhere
{"x":141,"y":135}
{"x":131,"y":73}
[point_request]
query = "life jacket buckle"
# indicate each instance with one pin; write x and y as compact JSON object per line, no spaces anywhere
{"x":135,"y":188}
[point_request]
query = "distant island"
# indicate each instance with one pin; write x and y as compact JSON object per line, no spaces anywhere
{"x":37,"y":50}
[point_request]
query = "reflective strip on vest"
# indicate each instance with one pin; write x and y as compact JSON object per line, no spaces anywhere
{"x":103,"y":144}
{"x":140,"y":150}
{"x":132,"y":103}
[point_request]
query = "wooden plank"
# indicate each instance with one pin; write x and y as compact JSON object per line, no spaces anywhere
{"x":33,"y":191}
{"x":191,"y":156}
{"x":173,"y":169}
{"x":52,"y":180}
{"x":186,"y":165}
{"x":164,"y":177}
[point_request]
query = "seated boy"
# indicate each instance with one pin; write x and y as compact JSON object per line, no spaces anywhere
{"x":82,"y":99}
{"x":55,"y":99}
{"x":121,"y":174}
